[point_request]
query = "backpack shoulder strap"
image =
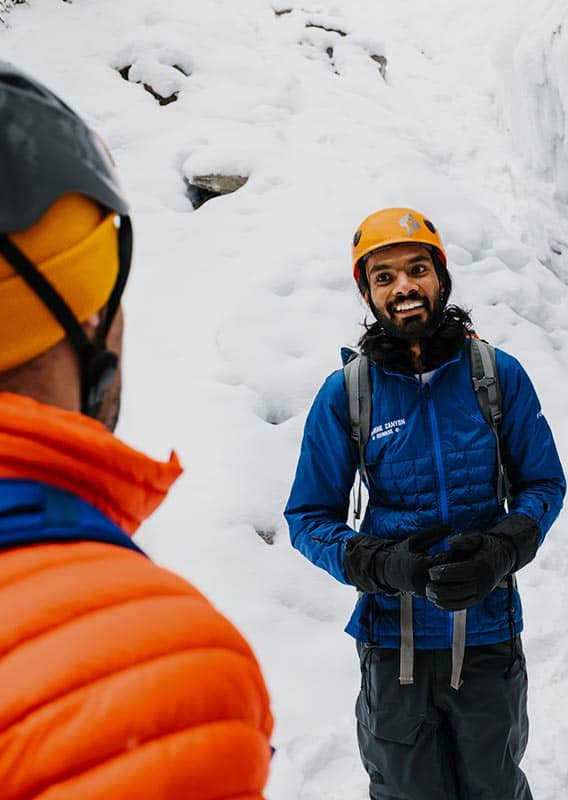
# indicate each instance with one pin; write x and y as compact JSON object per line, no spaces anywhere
{"x":358,"y":388}
{"x":485,"y":380}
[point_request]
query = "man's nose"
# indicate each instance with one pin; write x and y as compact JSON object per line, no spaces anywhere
{"x":404,"y":283}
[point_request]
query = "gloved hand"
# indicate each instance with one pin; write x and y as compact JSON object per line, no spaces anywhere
{"x":384,"y":565}
{"x":477,"y":562}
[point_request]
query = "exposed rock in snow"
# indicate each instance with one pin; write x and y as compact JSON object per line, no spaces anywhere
{"x":161,"y":80}
{"x":201,"y":188}
{"x":382,"y":62}
{"x":324,"y":28}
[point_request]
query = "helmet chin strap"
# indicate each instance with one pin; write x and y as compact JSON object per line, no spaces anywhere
{"x":97,"y":364}
{"x":102,"y":365}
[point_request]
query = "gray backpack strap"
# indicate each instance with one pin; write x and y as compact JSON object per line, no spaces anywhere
{"x":458,"y":647}
{"x":488,"y":392}
{"x":406,"y":674}
{"x":358,"y":387}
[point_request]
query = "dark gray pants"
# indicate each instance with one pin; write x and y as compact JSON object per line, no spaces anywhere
{"x":429,"y":742}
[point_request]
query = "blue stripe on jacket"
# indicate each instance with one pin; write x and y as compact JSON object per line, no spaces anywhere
{"x":38,"y":513}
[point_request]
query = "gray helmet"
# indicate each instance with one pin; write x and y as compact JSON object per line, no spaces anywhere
{"x":47,"y":151}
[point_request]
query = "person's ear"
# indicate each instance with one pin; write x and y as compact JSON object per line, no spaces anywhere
{"x":92,"y":323}
{"x":94,"y":320}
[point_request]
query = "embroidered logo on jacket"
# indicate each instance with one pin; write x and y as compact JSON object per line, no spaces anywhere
{"x":387,"y":428}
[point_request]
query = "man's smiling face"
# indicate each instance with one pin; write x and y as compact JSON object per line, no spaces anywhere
{"x":405,"y":290}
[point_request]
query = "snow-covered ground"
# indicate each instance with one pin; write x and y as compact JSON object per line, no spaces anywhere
{"x":236,"y":311}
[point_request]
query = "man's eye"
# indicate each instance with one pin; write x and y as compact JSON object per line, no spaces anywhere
{"x":382,"y":277}
{"x":418,"y":269}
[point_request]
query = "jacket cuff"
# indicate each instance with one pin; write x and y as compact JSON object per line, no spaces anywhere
{"x":521,"y":535}
{"x":363,"y":562}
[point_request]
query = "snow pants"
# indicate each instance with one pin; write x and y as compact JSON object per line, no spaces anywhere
{"x":429,"y":742}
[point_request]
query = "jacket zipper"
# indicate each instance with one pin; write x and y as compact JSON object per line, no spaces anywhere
{"x":438,"y":456}
{"x":441,"y":478}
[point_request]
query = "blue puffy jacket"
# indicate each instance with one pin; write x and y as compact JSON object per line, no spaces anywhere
{"x":431,"y":459}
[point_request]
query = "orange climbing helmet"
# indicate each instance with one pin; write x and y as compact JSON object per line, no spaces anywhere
{"x":395,"y":226}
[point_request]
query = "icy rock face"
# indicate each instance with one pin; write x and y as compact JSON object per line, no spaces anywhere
{"x":538,"y":97}
{"x":531,"y":62}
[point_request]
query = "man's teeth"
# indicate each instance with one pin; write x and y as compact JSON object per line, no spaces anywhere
{"x":409,"y":306}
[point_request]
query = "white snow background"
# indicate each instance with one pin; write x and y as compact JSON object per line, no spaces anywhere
{"x":236,"y":311}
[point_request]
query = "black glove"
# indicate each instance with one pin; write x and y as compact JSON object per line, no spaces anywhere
{"x":384,"y":565}
{"x":477,"y":562}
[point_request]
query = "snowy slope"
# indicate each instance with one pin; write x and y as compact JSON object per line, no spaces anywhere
{"x":236,"y":311}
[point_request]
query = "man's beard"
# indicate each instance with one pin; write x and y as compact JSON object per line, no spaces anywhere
{"x":411,"y":328}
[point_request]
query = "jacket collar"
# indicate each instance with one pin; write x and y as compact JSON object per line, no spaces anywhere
{"x":68,"y":450}
{"x":459,"y":356}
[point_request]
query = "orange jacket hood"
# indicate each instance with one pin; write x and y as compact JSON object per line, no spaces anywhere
{"x":66,"y":449}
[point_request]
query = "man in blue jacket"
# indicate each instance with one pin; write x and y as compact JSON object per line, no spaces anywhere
{"x":442,"y":709}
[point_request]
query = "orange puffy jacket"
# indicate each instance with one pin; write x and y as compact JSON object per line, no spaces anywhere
{"x":119,"y":679}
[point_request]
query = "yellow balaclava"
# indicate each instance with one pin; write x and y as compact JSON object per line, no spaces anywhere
{"x":75,"y":246}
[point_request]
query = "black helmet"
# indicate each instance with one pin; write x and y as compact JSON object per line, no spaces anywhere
{"x":47,"y":151}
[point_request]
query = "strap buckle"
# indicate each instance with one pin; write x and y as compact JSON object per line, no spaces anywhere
{"x":483,"y":383}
